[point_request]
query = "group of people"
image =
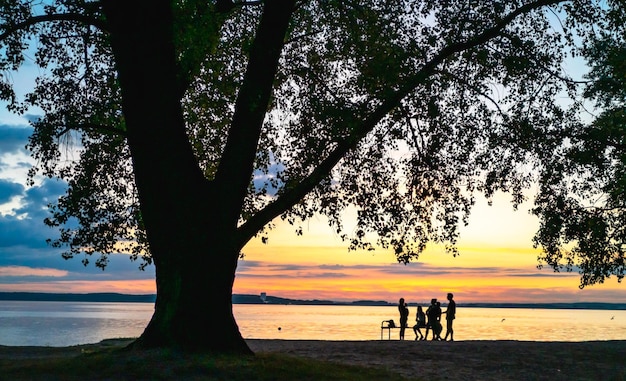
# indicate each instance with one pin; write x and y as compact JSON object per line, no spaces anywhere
{"x":431,"y":319}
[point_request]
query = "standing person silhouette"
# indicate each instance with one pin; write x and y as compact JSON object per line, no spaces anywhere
{"x":404,"y":316}
{"x":432,"y":318}
{"x":450,"y":315}
{"x":437,"y":327}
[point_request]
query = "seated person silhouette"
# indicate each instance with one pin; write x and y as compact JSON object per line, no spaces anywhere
{"x":420,"y":319}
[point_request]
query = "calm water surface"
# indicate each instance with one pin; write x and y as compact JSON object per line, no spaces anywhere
{"x":363,"y":323}
{"x":72,"y":323}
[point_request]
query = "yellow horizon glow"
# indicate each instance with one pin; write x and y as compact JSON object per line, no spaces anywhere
{"x":497,"y":263}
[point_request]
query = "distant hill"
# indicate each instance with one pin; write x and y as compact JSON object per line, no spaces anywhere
{"x":256,"y":299}
{"x":111,"y":297}
{"x":561,"y":306}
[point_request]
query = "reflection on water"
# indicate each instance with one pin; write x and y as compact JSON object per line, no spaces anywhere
{"x":72,"y":323}
{"x":363,"y":323}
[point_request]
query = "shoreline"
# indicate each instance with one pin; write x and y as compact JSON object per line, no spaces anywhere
{"x":112,"y":297}
{"x":427,"y":360}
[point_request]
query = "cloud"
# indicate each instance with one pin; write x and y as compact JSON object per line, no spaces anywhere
{"x":32,"y":117}
{"x":13,"y":139}
{"x":21,"y":166}
{"x":21,"y":271}
{"x":263,"y":180}
{"x":15,"y":231}
{"x":37,"y":198}
{"x":259,"y":269}
{"x":544,"y":273}
{"x":43,"y":270}
{"x":26,"y":227}
{"x":9,"y":189}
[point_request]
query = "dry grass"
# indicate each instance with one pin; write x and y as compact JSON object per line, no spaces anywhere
{"x":109,"y":362}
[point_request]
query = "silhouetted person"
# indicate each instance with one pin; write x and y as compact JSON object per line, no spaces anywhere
{"x":430,"y":313}
{"x":437,"y":327}
{"x":420,"y":318}
{"x":404,"y":316}
{"x":450,"y":315}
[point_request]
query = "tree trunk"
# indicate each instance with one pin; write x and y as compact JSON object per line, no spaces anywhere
{"x":192,"y":247}
{"x":194,"y":304}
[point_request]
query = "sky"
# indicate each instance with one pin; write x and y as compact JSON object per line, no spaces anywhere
{"x":497,"y":262}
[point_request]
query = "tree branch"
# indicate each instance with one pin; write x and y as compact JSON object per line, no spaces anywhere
{"x":292,"y":196}
{"x":10,"y":29}
{"x":105,"y":129}
{"x":473,"y":88}
{"x":236,"y":165}
{"x":225,"y":6}
{"x":302,"y":36}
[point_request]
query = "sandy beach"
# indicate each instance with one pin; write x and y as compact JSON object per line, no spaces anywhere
{"x":427,"y":360}
{"x":469,"y":360}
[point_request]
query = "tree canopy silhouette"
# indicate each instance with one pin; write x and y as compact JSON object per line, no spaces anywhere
{"x":194,"y":124}
{"x":582,"y":202}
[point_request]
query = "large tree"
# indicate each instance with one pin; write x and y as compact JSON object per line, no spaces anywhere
{"x":194,"y":124}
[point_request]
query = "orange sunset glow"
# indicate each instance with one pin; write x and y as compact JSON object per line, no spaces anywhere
{"x":497,"y":264}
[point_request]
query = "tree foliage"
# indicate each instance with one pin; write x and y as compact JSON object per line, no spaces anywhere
{"x":403,"y":110}
{"x":582,"y":201}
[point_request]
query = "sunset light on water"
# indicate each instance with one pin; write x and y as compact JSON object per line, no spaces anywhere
{"x":72,"y":323}
{"x":363,"y":323}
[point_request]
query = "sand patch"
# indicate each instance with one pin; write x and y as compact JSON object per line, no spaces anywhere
{"x":469,"y":360}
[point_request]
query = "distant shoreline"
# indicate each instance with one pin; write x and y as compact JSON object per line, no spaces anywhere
{"x":109,"y":297}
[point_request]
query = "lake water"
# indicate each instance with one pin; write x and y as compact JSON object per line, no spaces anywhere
{"x":72,"y":323}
